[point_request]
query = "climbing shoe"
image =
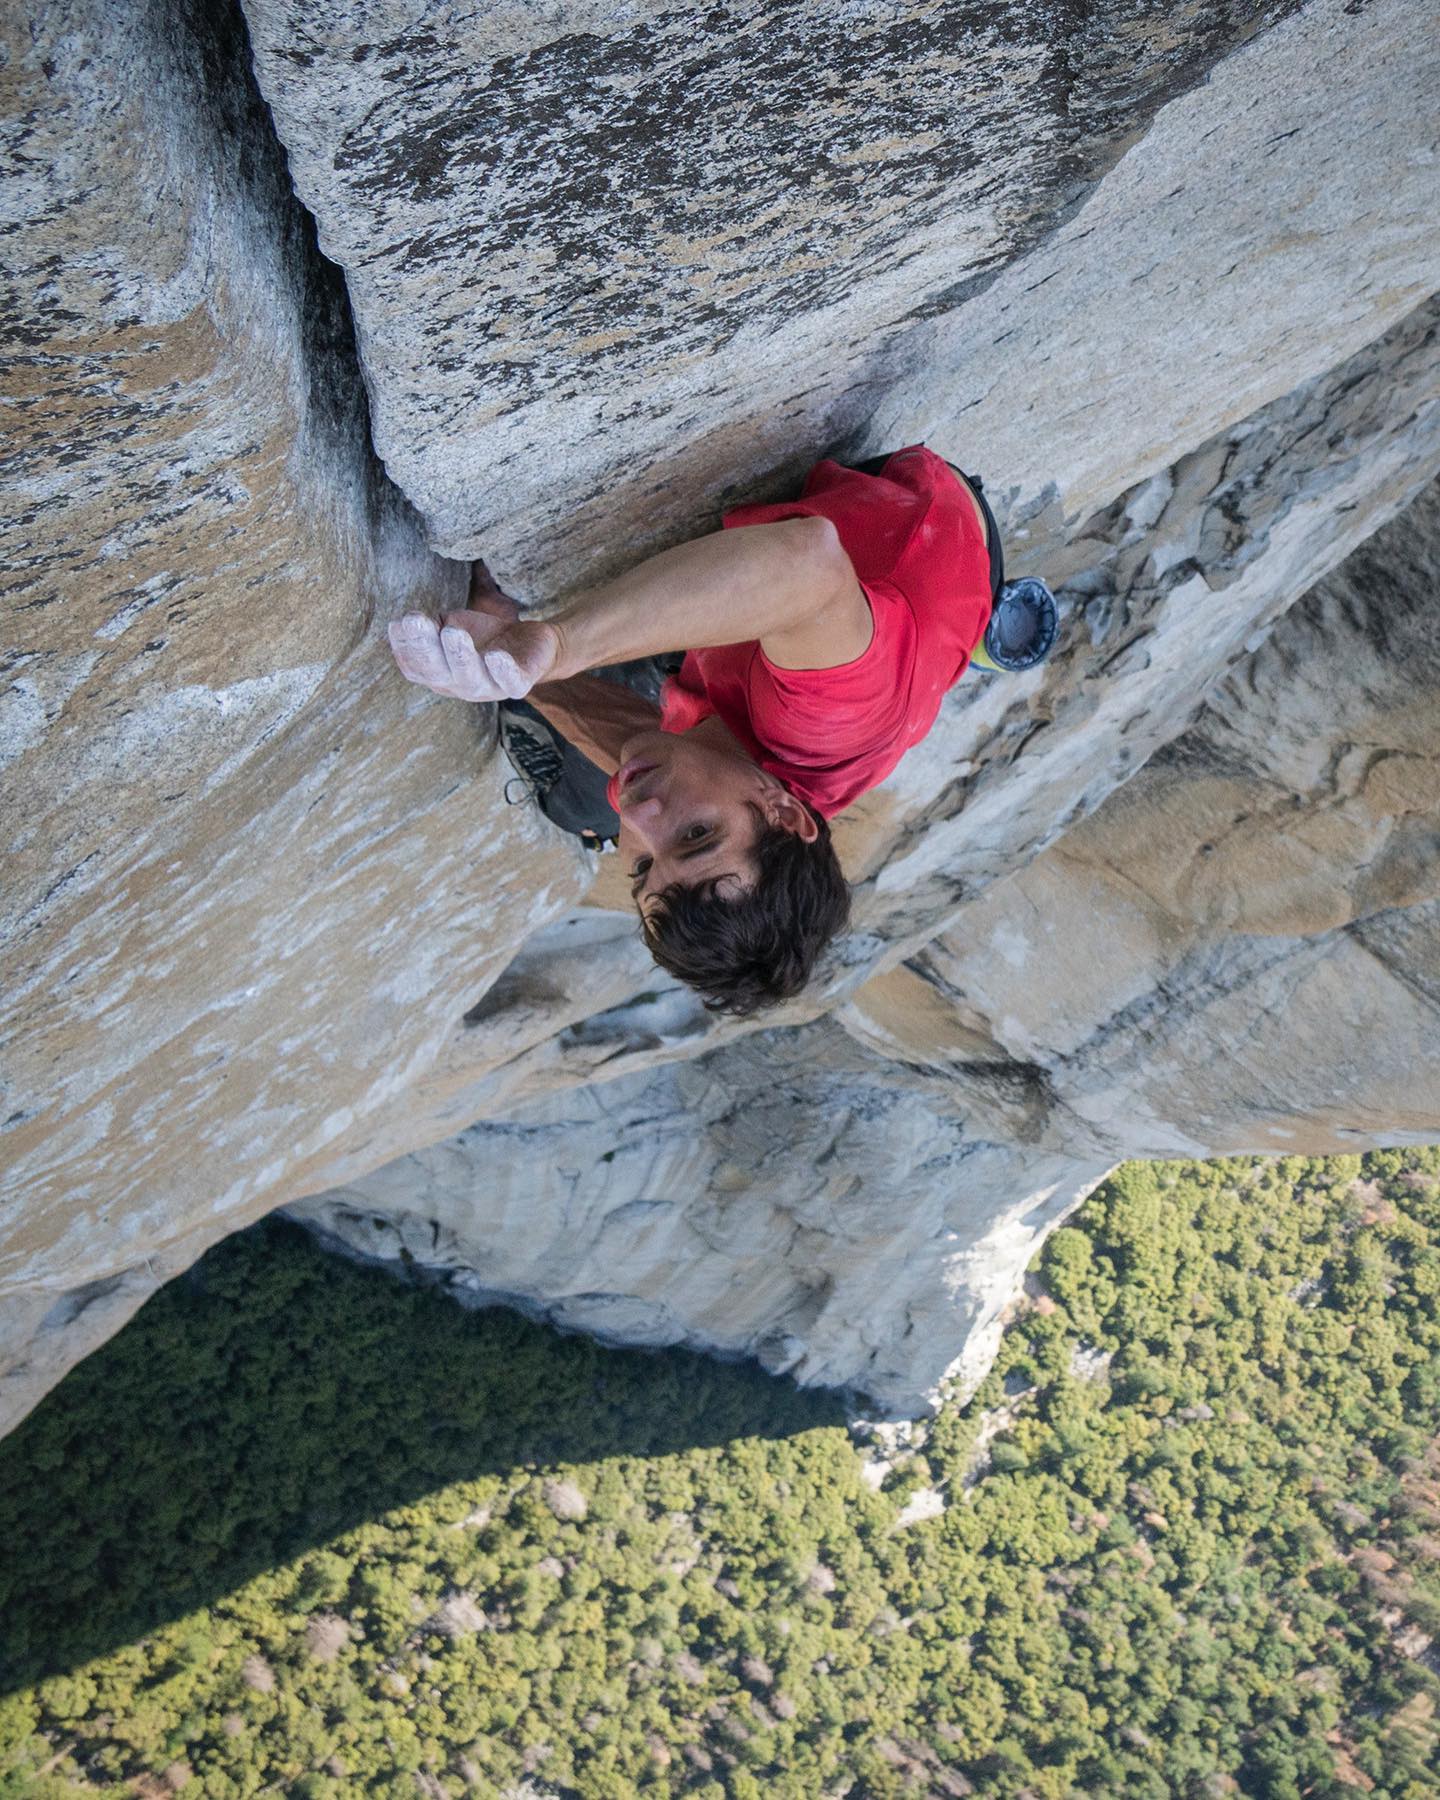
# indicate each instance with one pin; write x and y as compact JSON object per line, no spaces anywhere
{"x":533,"y":749}
{"x":1022,"y":630}
{"x":571,"y":798}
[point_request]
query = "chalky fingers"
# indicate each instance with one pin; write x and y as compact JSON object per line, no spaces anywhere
{"x":508,"y":679}
{"x":415,"y":645}
{"x":447,"y":661}
{"x":468,"y":676}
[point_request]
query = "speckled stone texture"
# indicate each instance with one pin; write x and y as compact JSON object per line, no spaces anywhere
{"x":239,"y":854}
{"x":1238,"y":952}
{"x":271,"y":931}
{"x":790,"y":1197}
{"x":612,"y":266}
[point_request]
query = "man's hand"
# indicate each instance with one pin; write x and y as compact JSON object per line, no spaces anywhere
{"x":483,"y":652}
{"x":473,"y":655}
{"x":788,"y":584}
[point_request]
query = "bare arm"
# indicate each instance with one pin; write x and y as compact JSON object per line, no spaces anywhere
{"x":789,"y":584}
{"x":596,"y":716}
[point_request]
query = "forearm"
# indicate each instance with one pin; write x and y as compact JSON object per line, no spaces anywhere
{"x":597,"y":717}
{"x":727,"y":588}
{"x":789,"y":584}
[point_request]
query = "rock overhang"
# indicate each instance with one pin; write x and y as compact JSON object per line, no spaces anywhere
{"x":269,"y":997}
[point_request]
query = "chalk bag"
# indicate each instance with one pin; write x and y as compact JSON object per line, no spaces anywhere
{"x":1022,"y":629}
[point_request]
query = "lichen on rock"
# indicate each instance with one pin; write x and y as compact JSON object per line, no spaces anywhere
{"x":580,"y":277}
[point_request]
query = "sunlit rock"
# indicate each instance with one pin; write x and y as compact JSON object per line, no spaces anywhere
{"x":252,"y":881}
{"x":1239,"y":951}
{"x":272,"y":934}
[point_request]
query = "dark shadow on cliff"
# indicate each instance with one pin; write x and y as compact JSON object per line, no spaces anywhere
{"x":273,"y":1397}
{"x":204,"y":47}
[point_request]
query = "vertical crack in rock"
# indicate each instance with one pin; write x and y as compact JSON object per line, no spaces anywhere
{"x":608,"y":273}
{"x":604,"y":178}
{"x":607,"y":230}
{"x":1190,"y":970}
{"x":231,"y":892}
{"x":181,"y":385}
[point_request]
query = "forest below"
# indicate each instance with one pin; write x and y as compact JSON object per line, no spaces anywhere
{"x":303,"y":1529}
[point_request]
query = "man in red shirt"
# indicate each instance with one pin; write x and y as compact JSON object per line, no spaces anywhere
{"x":820,"y":639}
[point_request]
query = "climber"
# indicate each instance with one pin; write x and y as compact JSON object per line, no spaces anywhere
{"x":820,"y":642}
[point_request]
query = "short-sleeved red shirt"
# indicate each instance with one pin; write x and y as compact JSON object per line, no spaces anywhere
{"x":831,"y":734}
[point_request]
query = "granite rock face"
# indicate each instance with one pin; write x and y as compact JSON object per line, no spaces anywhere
{"x":808,"y":206}
{"x":1239,"y":952}
{"x":272,"y":935}
{"x":235,"y":849}
{"x":790,"y":1197}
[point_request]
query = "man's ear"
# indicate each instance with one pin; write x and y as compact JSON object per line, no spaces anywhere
{"x":785,"y":809}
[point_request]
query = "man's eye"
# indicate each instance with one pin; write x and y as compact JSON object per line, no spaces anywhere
{"x":695,"y":833}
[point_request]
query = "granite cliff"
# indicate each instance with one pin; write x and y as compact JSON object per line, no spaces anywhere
{"x":307,"y":303}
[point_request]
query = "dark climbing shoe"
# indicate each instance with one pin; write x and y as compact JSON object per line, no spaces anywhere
{"x":1022,"y":629}
{"x":534,"y":751}
{"x":570,"y":797}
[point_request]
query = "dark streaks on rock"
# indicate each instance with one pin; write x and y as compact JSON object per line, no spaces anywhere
{"x":611,"y":269}
{"x":604,"y":206}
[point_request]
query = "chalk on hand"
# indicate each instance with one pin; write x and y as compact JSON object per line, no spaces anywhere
{"x":447,"y":661}
{"x":506,"y":675}
{"x":415,"y":645}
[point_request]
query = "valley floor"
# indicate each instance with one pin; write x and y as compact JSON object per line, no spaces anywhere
{"x":301,"y":1529}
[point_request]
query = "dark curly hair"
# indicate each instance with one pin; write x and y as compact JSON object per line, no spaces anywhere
{"x":760,"y":947}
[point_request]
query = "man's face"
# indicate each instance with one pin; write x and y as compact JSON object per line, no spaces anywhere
{"x":690,"y":811}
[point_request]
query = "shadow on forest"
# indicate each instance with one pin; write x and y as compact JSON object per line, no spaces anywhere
{"x":273,"y":1397}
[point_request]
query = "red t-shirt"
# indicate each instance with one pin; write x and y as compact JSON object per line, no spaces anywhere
{"x":831,"y":734}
